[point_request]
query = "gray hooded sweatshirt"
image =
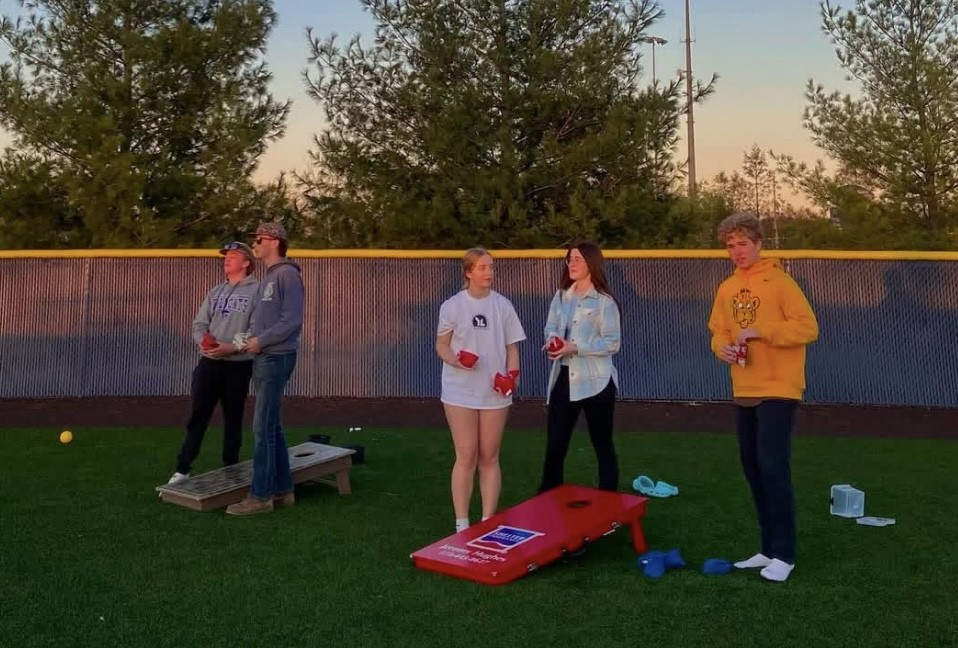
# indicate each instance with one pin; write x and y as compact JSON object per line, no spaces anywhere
{"x":278,"y":313}
{"x":226,"y":311}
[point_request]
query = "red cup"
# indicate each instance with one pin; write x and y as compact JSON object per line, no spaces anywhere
{"x":555,"y":344}
{"x":467,"y":358}
{"x":741,"y":351}
{"x":209,"y":341}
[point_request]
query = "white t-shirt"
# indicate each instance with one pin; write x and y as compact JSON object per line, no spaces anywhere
{"x":484,"y":327}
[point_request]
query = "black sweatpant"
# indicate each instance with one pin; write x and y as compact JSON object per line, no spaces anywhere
{"x":216,"y":381}
{"x":563,"y":414}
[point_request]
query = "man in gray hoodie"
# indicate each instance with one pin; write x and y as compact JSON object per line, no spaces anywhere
{"x":274,"y":329}
{"x":222,"y":375}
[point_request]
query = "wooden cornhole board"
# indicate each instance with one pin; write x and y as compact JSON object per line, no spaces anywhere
{"x":519,"y":540}
{"x":224,"y":486}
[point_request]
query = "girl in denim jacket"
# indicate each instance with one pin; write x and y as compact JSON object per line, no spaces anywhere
{"x":582,"y":333}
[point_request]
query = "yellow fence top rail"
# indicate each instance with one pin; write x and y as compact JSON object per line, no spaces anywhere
{"x":871,"y":255}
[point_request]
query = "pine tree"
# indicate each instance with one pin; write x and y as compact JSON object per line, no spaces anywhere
{"x":502,"y":122}
{"x":149,"y":114}
{"x":901,"y":136}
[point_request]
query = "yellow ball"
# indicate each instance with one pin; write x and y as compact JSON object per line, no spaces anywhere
{"x":66,"y":436}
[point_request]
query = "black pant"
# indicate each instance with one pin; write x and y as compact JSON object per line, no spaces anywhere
{"x":563,"y":414}
{"x":765,"y":449}
{"x":216,"y":381}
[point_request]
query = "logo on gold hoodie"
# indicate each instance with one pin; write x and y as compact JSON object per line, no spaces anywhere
{"x":745,"y":308}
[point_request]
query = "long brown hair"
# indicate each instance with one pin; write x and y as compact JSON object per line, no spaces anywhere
{"x":594,"y":261}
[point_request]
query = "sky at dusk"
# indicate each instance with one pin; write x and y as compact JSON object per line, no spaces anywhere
{"x":764,"y":52}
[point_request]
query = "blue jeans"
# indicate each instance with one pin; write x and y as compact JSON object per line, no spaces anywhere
{"x":271,"y":474}
{"x":765,"y":449}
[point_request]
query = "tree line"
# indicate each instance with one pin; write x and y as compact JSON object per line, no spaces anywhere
{"x":510,"y":123}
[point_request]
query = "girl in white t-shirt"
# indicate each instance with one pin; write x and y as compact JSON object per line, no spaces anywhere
{"x":477,"y":321}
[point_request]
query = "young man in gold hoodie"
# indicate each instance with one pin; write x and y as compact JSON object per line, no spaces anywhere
{"x":761,"y":323}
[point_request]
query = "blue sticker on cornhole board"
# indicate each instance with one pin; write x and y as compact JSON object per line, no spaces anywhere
{"x":503,"y":539}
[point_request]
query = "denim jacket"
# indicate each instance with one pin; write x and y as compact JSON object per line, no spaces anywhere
{"x":595,"y":330}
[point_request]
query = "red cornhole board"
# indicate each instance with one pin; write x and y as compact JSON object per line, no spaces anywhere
{"x":527,"y":536}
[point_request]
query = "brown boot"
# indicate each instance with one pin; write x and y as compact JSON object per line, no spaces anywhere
{"x":250,"y":506}
{"x":284,"y":500}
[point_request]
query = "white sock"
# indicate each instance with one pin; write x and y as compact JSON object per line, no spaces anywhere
{"x":777,"y":570}
{"x":485,"y":517}
{"x":462,"y":524}
{"x":758,"y":560}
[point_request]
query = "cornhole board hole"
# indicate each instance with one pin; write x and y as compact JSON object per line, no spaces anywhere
{"x":532,"y":534}
{"x":224,"y":486}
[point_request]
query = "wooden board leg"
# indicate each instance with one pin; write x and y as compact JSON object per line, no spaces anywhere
{"x":342,"y":482}
{"x":638,"y":538}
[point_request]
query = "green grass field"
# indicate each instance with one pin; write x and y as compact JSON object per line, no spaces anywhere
{"x":91,"y":557}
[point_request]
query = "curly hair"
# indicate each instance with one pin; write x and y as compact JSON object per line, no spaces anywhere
{"x":744,"y":223}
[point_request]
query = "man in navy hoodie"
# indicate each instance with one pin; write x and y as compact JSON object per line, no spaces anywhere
{"x":274,"y":340}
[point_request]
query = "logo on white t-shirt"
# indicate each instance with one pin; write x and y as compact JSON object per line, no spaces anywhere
{"x":479,"y":321}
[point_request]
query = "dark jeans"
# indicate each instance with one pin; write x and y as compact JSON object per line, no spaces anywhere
{"x":216,"y":381}
{"x":271,"y":471}
{"x":765,"y":449}
{"x":563,"y":414}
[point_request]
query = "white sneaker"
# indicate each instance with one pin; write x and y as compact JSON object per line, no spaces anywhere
{"x":777,"y":570}
{"x":177,"y":478}
{"x":756,"y":561}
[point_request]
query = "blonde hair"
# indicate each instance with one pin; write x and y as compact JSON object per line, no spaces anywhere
{"x":469,"y":262}
{"x":743,"y":223}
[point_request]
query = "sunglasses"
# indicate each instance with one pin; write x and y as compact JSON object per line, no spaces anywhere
{"x":259,"y":239}
{"x":234,"y":246}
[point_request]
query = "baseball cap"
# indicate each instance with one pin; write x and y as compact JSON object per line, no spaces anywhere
{"x":242,"y":248}
{"x":274,"y":230}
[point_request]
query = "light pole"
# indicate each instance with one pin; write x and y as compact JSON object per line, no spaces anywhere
{"x":653,"y":41}
{"x":688,"y":100}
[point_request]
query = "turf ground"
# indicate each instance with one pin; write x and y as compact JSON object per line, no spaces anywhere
{"x":91,"y":557}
